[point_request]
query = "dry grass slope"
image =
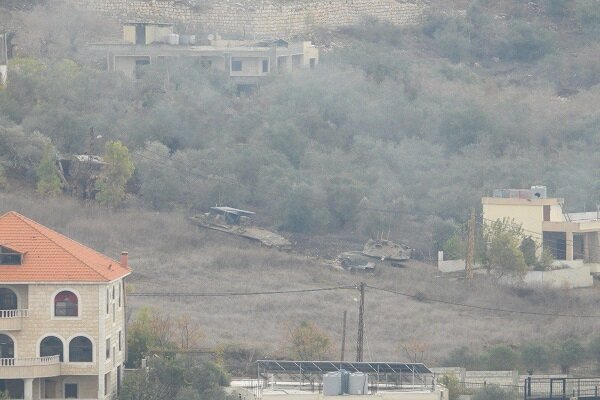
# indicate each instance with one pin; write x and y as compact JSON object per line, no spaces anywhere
{"x":169,"y":255}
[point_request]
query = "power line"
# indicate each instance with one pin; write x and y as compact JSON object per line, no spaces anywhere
{"x":234,"y":294}
{"x":485,"y":308}
{"x":355,"y":287}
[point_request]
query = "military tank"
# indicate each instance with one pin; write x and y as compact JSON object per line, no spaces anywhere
{"x":239,"y":222}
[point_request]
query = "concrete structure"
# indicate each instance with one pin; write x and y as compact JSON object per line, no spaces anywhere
{"x":578,"y":275}
{"x":3,"y":60}
{"x":62,"y":315}
{"x":449,"y":265}
{"x":246,"y":62}
{"x":569,"y":236}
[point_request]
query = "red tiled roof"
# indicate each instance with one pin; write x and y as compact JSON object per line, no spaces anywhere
{"x":49,"y":256}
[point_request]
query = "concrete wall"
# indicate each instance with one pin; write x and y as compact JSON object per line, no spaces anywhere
{"x":261,"y":18}
{"x":251,"y":66}
{"x":562,"y":278}
{"x":449,"y":265}
{"x":527,"y":213}
{"x":129,"y":33}
{"x":3,"y":72}
{"x":493,"y":377}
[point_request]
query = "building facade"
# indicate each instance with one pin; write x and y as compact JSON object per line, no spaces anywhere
{"x":62,"y":315}
{"x":246,"y":62}
{"x":568,"y":236}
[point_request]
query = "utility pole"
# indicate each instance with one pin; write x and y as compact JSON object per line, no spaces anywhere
{"x":361,"y":323}
{"x":344,"y":336}
{"x":470,"y":247}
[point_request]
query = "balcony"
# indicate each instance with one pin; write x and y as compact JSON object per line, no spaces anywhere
{"x":12,"y":320}
{"x":34,"y":367}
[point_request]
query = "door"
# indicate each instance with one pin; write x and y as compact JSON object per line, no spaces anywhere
{"x":71,"y":390}
{"x":140,"y":34}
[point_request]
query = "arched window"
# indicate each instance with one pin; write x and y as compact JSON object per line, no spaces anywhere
{"x":65,"y":304}
{"x":51,"y":346}
{"x":80,"y":349}
{"x":8,"y":299}
{"x":7,"y":347}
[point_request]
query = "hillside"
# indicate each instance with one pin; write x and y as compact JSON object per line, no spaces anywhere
{"x":184,"y":259}
{"x":400,"y":129}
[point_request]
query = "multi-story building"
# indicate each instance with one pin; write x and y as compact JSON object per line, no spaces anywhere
{"x":246,"y":62}
{"x":568,"y":236}
{"x":62,"y":315}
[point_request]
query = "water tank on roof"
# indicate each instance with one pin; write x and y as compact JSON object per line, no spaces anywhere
{"x":358,"y":383}
{"x":173,"y":39}
{"x":539,"y":192}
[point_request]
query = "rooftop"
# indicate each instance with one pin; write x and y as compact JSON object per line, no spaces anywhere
{"x":48,"y":256}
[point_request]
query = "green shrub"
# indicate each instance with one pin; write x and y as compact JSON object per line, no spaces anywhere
{"x":535,"y":357}
{"x":569,"y":353}
{"x":501,"y":358}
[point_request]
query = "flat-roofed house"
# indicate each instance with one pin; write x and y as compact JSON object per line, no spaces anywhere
{"x":245,"y":61}
{"x":568,"y":236}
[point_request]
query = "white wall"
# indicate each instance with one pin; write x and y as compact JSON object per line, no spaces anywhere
{"x":562,"y":278}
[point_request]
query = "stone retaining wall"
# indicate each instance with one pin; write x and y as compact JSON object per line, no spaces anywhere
{"x":260,"y":18}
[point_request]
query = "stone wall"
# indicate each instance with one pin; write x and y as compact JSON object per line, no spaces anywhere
{"x":260,"y":18}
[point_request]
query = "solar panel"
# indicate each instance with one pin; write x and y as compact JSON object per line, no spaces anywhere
{"x":332,"y":366}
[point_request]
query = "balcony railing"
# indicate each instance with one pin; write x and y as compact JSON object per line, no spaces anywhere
{"x":29,"y":362}
{"x":34,"y":367}
{"x":13,"y":313}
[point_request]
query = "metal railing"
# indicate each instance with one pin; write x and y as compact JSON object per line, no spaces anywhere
{"x":13,"y":313}
{"x":562,"y":388}
{"x":29,"y":362}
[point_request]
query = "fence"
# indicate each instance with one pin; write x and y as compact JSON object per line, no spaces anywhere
{"x":562,"y":388}
{"x":539,"y":388}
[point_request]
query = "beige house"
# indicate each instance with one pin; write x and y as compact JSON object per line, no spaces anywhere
{"x":62,"y":315}
{"x":246,"y":62}
{"x":568,"y":236}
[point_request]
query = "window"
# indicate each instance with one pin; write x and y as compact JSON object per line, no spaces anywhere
{"x":546,"y":213}
{"x":120,"y":340}
{"x":51,"y":346}
{"x":113,"y":293}
{"x":236,"y":65}
{"x":140,"y":67}
{"x":265,"y":66}
{"x":114,"y":313}
{"x":106,"y":381}
{"x":66,"y":304}
{"x":107,"y":302}
{"x":80,"y":349}
{"x":108,"y":348}
{"x":119,"y":294}
{"x":7,"y":346}
{"x":119,"y":379}
{"x":8,"y":299}
{"x":71,"y":391}
{"x":9,"y":257}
